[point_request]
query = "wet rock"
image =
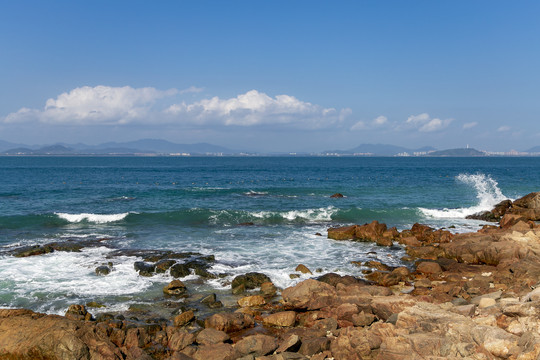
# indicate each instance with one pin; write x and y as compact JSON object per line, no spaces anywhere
{"x":211,"y":301}
{"x":239,"y":289}
{"x":164,"y":265}
{"x":33,"y":250}
{"x":250,"y":280}
{"x":251,"y":301}
{"x":334,"y":279}
{"x":268,"y":289}
{"x":377,"y":265}
{"x":94,"y":304}
{"x":337,"y":195}
{"x":78,"y":312}
{"x":103,"y":270}
{"x":143,"y":268}
{"x":180,"y":270}
{"x":303,"y":269}
{"x":229,"y":322}
{"x":282,"y":319}
{"x":256,"y":345}
{"x":184,"y":318}
{"x":176,"y":288}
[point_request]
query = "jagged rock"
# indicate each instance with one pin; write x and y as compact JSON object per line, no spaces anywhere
{"x":164,"y":265}
{"x":78,"y":312}
{"x":268,"y":289}
{"x":309,"y":294}
{"x":342,"y":233}
{"x":527,"y":206}
{"x":229,"y":322}
{"x":290,"y":343}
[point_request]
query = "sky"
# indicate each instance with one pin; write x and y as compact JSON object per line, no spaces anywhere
{"x":272,"y":75}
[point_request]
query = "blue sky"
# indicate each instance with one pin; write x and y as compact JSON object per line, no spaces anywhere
{"x":272,"y":76}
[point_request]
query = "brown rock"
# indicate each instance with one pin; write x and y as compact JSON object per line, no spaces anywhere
{"x":78,"y":312}
{"x":250,"y":301}
{"x":378,"y":265}
{"x":211,"y":336}
{"x":410,"y":241}
{"x":309,"y":294}
{"x":290,"y":343}
{"x":228,"y":322}
{"x":337,"y":195}
{"x":215,"y":352}
{"x":372,"y":232}
{"x":311,"y":346}
{"x":429,"y":268}
{"x":509,"y":220}
{"x":180,"y":339}
{"x":175,"y":287}
{"x":303,"y":269}
{"x":184,"y":318}
{"x":268,"y":289}
{"x":528,"y":207}
{"x":284,"y":319}
{"x":256,"y":345}
{"x":28,"y":335}
{"x":363,"y":319}
{"x":342,"y":233}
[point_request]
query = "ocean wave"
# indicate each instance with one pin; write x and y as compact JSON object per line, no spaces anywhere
{"x":94,"y":218}
{"x":321,"y":214}
{"x":488,"y":194}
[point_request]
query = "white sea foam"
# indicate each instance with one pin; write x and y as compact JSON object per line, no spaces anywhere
{"x":94,"y":218}
{"x":321,"y":214}
{"x":487,"y":193}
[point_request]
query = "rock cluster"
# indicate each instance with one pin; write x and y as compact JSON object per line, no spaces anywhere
{"x":465,"y":296}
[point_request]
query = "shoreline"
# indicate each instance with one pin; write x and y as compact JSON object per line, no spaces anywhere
{"x":468,"y":296}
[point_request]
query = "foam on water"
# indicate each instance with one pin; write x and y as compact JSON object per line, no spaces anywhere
{"x":94,"y":218}
{"x":487,"y":193}
{"x":320,"y":214}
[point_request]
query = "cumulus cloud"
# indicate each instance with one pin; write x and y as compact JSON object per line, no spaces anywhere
{"x":104,"y":105}
{"x":503,"y":128}
{"x":424,"y":123}
{"x":94,"y":105}
{"x":470,"y":125}
{"x":377,"y":122}
{"x":257,"y":108}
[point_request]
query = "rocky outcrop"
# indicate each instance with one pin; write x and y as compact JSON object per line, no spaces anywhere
{"x":527,"y":207}
{"x":372,"y":232}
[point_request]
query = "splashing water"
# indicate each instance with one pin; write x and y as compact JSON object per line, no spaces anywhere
{"x":487,"y":193}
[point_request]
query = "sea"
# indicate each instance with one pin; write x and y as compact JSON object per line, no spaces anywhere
{"x":254,"y":214}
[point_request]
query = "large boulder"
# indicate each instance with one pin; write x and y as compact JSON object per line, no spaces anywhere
{"x":229,"y":322}
{"x":527,"y":206}
{"x":250,"y":280}
{"x":309,"y":294}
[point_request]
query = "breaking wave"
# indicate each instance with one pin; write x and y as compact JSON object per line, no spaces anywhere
{"x":487,"y":193}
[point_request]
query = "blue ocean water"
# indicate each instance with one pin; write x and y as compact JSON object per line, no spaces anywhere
{"x":197,"y":204}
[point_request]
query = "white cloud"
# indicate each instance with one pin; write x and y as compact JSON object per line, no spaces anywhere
{"x":470,"y":125}
{"x":424,"y":123}
{"x":257,"y":108}
{"x":377,"y":122}
{"x":380,"y":120}
{"x":94,"y":105}
{"x":104,"y":105}
{"x":504,"y":128}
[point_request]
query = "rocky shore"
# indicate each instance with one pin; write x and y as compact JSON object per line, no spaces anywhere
{"x":464,"y":296}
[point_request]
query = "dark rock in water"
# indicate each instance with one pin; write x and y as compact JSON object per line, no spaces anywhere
{"x":33,"y":250}
{"x":103,"y":270}
{"x":250,"y":280}
{"x":104,"y":317}
{"x":68,"y":246}
{"x":94,"y":304}
{"x":164,"y":265}
{"x":240,"y":289}
{"x":175,"y":287}
{"x":246,"y":224}
{"x":210,"y":299}
{"x":144,"y":269}
{"x":180,"y":270}
{"x":318,"y":234}
{"x":334,"y":279}
{"x":494,"y":215}
{"x":337,"y":195}
{"x":483,"y":215}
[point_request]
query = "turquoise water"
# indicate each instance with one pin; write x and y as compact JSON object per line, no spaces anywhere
{"x":196,"y":204}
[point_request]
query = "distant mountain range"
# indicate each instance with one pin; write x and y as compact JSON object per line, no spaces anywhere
{"x":163,"y":147}
{"x":144,"y":146}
